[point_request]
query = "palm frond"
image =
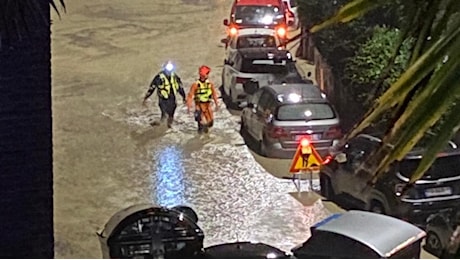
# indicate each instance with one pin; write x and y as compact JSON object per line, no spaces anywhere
{"x":17,"y":16}
{"x":448,"y":127}
{"x":423,"y":112}
{"x":414,"y":74}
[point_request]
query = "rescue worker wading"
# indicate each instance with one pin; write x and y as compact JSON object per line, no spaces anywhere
{"x":168,"y":84}
{"x":202,"y":92}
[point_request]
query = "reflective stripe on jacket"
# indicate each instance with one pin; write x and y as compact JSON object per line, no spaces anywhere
{"x":203,"y":91}
{"x":165,"y":89}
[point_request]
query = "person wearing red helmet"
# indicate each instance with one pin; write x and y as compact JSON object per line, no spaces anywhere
{"x":203,"y":92}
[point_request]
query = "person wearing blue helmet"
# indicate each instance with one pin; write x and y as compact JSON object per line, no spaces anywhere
{"x":169,"y":85}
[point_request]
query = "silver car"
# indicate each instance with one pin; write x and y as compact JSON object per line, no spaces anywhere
{"x":278,"y":116}
{"x":248,"y":65}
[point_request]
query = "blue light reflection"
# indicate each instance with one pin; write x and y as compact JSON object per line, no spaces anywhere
{"x":169,"y":177}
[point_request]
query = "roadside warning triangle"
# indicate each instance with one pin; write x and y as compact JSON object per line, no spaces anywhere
{"x":305,"y":158}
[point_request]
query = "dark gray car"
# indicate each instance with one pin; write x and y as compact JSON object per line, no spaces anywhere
{"x":438,"y":189}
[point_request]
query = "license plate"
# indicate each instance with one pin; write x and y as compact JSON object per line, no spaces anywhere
{"x":440,"y":191}
{"x":313,"y":137}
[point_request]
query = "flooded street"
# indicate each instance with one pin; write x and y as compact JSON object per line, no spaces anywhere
{"x":107,"y":155}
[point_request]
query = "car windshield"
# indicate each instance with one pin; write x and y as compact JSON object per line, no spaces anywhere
{"x":305,"y":111}
{"x":251,"y":41}
{"x":257,"y":15}
{"x":280,"y":67}
{"x":443,"y":167}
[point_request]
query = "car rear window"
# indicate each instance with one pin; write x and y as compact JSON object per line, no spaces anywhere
{"x":252,"y":41}
{"x":265,"y":66}
{"x":255,"y":14}
{"x":443,"y":167}
{"x":305,"y":111}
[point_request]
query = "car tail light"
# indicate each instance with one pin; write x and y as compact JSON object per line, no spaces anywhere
{"x":333,"y":132}
{"x":241,"y":80}
{"x":281,"y":32}
{"x":328,"y":159}
{"x":277,"y":132}
{"x":233,"y":31}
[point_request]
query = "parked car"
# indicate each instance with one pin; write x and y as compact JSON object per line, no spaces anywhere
{"x":438,"y":189}
{"x":440,"y":229}
{"x":277,"y":117}
{"x":252,"y":38}
{"x":258,"y":13}
{"x":359,"y":234}
{"x":245,"y":67}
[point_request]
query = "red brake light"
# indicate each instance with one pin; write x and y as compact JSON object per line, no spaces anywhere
{"x":277,"y":132}
{"x":333,"y":132}
{"x":327,"y":160}
{"x":281,"y":32}
{"x":241,"y":80}
{"x":233,"y":31}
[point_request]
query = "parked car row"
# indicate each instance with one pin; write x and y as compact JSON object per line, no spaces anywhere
{"x":280,"y":106}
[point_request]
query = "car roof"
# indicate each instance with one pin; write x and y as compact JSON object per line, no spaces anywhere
{"x":252,"y":31}
{"x":383,"y":234}
{"x":307,"y":91}
{"x":257,"y":2}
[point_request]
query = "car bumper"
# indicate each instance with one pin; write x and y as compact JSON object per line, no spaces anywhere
{"x":417,"y":211}
{"x":275,"y":150}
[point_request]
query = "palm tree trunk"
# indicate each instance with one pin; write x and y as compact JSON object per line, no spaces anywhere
{"x":26,"y":169}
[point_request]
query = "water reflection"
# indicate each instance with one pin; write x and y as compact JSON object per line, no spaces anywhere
{"x":168,"y":177}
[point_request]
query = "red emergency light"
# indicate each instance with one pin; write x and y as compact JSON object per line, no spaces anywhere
{"x":304,"y":142}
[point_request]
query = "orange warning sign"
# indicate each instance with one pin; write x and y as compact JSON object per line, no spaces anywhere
{"x":305,"y":158}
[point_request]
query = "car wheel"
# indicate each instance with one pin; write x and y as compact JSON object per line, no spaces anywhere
{"x":433,"y":244}
{"x":326,"y":187}
{"x":377,"y":207}
{"x":262,"y":148}
{"x":243,"y":130}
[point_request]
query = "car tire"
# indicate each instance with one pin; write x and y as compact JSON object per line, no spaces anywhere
{"x":377,"y":207}
{"x":243,"y":130}
{"x":262,"y":148}
{"x":326,"y":187}
{"x":433,"y":244}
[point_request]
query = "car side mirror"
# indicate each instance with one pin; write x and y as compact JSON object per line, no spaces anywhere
{"x":341,"y":158}
{"x":225,"y":22}
{"x":224,"y":41}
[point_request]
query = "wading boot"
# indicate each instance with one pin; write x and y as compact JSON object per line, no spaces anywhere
{"x":170,"y":121}
{"x":200,"y":128}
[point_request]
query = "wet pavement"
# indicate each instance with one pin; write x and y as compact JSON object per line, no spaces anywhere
{"x":108,"y":156}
